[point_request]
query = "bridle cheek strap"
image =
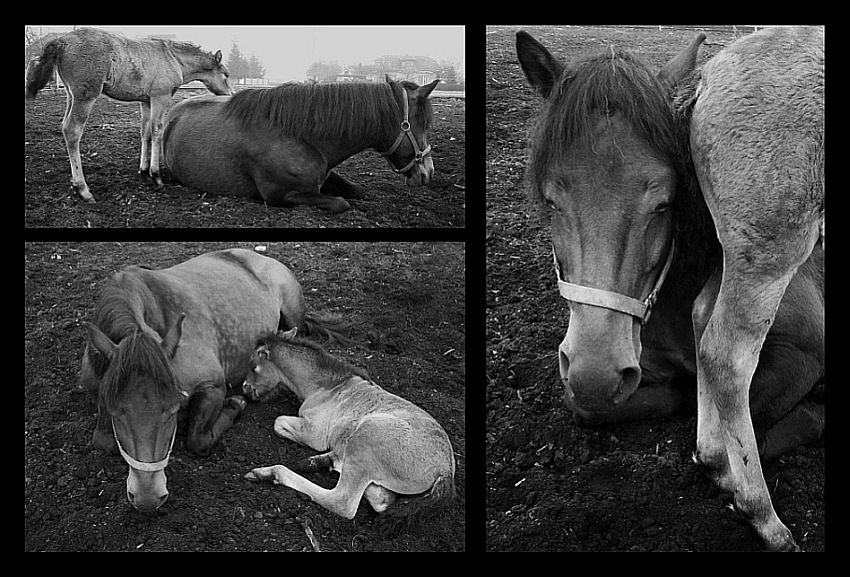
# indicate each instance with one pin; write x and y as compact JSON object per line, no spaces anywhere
{"x":611,"y":300}
{"x":141,"y":465}
{"x":418,"y":155}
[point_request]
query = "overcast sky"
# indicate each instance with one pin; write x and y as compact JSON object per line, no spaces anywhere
{"x":286,"y":52}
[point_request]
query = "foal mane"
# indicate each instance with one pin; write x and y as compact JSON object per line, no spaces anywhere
{"x":324,"y":111}
{"x":615,"y":82}
{"x":325,"y":362}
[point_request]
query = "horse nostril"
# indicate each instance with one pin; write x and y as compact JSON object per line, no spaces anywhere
{"x":629,"y":383}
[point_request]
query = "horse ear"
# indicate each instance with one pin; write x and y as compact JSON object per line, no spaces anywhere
{"x":172,"y":338}
{"x":682,"y":64}
{"x":423,"y":91}
{"x":540,"y":68}
{"x":100,"y":341}
{"x":387,"y":78}
{"x":218,"y":57}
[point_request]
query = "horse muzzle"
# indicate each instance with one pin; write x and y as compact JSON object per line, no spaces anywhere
{"x":420,"y":173}
{"x":599,"y":371}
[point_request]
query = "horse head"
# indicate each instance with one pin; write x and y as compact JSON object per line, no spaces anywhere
{"x":605,"y":160}
{"x":141,"y":397}
{"x":410,"y":153}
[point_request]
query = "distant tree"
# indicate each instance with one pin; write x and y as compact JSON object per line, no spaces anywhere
{"x":256,"y":69}
{"x":236,"y":63}
{"x":324,"y":71}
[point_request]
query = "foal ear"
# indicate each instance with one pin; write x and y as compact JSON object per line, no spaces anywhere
{"x":682,"y":64}
{"x":289,"y":334}
{"x":424,"y":91}
{"x":541,"y":68}
{"x":100,"y":341}
{"x":263,"y":352}
{"x":218,"y":57}
{"x":172,"y":338}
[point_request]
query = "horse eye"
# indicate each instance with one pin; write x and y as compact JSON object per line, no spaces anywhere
{"x":663,"y":207}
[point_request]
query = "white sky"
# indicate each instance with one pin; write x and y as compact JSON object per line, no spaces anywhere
{"x":287,"y":51}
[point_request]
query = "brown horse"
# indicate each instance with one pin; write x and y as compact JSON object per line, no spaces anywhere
{"x":382,"y":446}
{"x":708,"y":215}
{"x":93,"y":62}
{"x":160,"y":339}
{"x":279,"y":145}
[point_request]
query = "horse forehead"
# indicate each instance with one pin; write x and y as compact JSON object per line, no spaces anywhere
{"x":610,"y":158}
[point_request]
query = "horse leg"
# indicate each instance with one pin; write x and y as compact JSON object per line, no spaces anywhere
{"x":273,"y":195}
{"x":145,"y":132}
{"x":344,"y":499}
{"x":785,"y":412}
{"x":77,"y":110}
{"x":300,"y":430}
{"x":335,"y":185}
{"x":210,"y":415}
{"x":159,"y":107}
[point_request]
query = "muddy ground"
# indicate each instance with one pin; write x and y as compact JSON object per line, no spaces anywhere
{"x":550,"y":484}
{"x":110,"y":151}
{"x":407,"y":303}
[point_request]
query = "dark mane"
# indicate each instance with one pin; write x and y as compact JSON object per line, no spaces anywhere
{"x":324,"y":111}
{"x":611,"y":83}
{"x":325,"y":362}
{"x":138,"y":353}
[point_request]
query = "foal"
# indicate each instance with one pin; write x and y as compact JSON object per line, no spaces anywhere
{"x":381,"y":445}
{"x":93,"y":62}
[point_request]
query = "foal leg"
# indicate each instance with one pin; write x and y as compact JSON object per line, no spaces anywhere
{"x":145,"y":133}
{"x":344,"y":499}
{"x":77,"y":110}
{"x":159,"y":107}
{"x":300,"y":430}
{"x":210,"y":415}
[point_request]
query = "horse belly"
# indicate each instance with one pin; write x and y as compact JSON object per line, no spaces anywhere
{"x":204,"y":151}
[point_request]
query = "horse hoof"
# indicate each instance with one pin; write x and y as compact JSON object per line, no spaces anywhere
{"x":238,"y":402}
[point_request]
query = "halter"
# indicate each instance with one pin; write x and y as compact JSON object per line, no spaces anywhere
{"x":140,"y":465}
{"x":611,"y":300}
{"x":418,"y":156}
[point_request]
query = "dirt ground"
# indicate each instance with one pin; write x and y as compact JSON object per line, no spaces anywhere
{"x":407,"y":301}
{"x":110,"y":151}
{"x":549,"y":484}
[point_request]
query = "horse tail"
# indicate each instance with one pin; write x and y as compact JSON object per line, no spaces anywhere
{"x":408,"y":511}
{"x":40,"y":73}
{"x":330,"y":327}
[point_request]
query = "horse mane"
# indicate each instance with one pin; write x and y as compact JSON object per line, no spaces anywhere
{"x":325,"y":362}
{"x":615,"y":82}
{"x":323,"y":111}
{"x":139,"y":352}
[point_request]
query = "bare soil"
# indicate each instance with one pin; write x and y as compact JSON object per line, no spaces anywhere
{"x":550,"y":484}
{"x":110,"y":151}
{"x":407,"y":303}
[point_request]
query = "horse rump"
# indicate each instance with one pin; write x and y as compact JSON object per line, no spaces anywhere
{"x":39,"y":74}
{"x":409,"y":511}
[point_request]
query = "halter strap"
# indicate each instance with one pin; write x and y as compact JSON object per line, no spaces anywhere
{"x":612,"y":300}
{"x":141,"y":465}
{"x":418,"y":156}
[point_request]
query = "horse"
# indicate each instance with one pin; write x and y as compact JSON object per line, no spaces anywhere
{"x":92,"y":62}
{"x":382,"y":445}
{"x":695,"y":196}
{"x":162,"y":339}
{"x":280,"y":144}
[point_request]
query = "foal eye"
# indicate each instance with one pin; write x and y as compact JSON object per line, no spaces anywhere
{"x":663,"y":207}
